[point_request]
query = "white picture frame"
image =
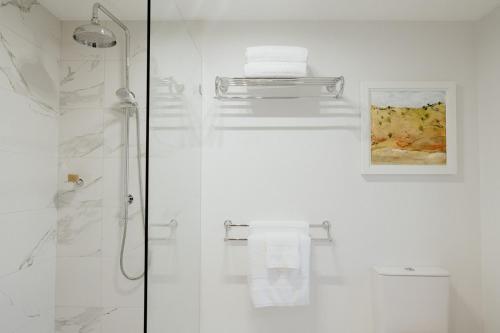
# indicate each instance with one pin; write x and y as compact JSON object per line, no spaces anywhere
{"x":398,"y":91}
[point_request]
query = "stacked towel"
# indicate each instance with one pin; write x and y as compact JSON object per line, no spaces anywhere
{"x":276,"y":61}
{"x":279,"y":263}
{"x":276,"y":54}
{"x":276,"y":69}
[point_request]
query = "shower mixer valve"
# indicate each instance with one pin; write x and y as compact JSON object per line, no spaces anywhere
{"x":75,"y":179}
{"x":130,"y":199}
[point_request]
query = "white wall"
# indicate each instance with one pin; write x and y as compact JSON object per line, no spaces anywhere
{"x":489,"y":118}
{"x":29,"y":109}
{"x":91,"y":293}
{"x":301,"y":160}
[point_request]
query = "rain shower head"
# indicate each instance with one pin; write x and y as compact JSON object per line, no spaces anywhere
{"x":97,"y":36}
{"x":94,"y":35}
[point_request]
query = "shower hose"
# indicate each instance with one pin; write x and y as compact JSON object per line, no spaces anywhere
{"x":129,"y":112}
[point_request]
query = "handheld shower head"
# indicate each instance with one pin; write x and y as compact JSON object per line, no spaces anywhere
{"x":126,"y":96}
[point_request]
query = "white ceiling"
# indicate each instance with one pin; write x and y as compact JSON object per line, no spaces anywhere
{"x":414,"y":10}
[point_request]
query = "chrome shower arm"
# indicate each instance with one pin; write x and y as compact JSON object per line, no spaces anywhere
{"x":95,"y":18}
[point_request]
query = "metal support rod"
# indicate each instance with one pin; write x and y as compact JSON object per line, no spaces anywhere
{"x":95,"y":18}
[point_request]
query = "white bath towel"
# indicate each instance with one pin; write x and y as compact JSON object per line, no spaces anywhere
{"x":275,"y":53}
{"x":275,"y":69}
{"x":283,"y":250}
{"x":277,"y":286}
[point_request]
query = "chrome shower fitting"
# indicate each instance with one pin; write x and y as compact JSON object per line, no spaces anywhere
{"x":95,"y":35}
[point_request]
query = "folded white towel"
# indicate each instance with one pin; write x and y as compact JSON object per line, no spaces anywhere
{"x":277,"y":287}
{"x":276,"y":69}
{"x":274,"y":53}
{"x":282,"y":250}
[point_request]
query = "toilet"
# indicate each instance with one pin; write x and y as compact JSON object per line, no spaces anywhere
{"x":411,"y":299}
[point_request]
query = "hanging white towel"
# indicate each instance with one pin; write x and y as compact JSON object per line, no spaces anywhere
{"x":278,"y":286}
{"x":282,"y":250}
{"x":275,"y":53}
{"x":275,"y":69}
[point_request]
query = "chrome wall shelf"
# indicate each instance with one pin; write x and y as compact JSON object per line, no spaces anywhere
{"x":328,"y":87}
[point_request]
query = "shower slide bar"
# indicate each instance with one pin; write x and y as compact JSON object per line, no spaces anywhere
{"x":331,"y":87}
{"x":325,"y":225}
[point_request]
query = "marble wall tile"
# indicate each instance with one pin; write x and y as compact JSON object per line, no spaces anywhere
{"x":78,"y":282}
{"x":113,"y":190}
{"x":84,"y":145}
{"x":79,"y":230}
{"x":38,"y":242}
{"x":37,"y":26}
{"x":29,"y":91}
{"x":26,"y":303}
{"x":27,"y":299}
{"x":26,"y":70}
{"x":114,"y":133}
{"x":112,"y":231}
{"x":91,"y":171}
{"x":115,"y":79}
{"x":138,"y":41}
{"x":81,"y":133}
{"x":82,"y":84}
{"x":79,"y":319}
{"x":26,"y":127}
{"x":25,"y":187}
{"x":99,"y":319}
{"x":118,"y":291}
{"x":123,"y":320}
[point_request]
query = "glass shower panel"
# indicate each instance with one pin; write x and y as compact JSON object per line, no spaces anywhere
{"x":174,"y":173}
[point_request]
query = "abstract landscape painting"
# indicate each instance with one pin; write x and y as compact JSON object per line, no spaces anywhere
{"x":408,"y":128}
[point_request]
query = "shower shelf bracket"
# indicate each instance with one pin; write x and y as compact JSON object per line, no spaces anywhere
{"x":327,"y":87}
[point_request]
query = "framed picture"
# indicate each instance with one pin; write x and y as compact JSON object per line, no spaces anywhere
{"x":408,"y":128}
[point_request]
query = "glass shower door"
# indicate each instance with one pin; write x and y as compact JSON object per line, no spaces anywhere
{"x":174,"y":174}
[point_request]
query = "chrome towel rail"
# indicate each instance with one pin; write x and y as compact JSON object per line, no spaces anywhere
{"x":326,"y":225}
